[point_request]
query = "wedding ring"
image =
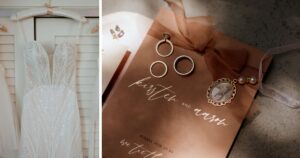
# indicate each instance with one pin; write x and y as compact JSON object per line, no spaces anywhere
{"x":180,"y":58}
{"x":165,"y":40}
{"x":159,"y":62}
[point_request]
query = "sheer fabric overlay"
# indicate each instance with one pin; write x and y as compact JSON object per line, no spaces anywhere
{"x":8,"y":120}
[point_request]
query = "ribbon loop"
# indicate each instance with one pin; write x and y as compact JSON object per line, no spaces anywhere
{"x":198,"y":34}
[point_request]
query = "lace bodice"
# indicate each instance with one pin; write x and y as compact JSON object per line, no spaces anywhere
{"x":37,"y":67}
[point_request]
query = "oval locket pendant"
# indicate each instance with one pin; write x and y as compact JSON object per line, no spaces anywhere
{"x":221,"y":91}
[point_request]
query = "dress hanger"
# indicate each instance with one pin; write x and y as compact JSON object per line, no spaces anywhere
{"x":47,"y":10}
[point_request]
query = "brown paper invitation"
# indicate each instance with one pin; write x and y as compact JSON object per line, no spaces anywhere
{"x":170,"y":117}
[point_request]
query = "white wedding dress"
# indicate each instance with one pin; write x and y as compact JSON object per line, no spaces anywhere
{"x":8,"y":124}
{"x":50,"y":115}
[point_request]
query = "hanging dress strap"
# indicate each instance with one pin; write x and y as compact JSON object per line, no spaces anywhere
{"x":22,"y":31}
{"x":79,"y":32}
{"x":23,"y":34}
{"x":271,"y":91}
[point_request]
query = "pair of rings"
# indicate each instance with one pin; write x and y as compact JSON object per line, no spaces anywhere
{"x":176,"y":61}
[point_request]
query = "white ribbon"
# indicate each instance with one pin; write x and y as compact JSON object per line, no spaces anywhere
{"x":271,"y":91}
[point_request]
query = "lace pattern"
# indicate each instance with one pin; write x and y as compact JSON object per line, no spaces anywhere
{"x":50,"y":116}
{"x":64,"y":65}
{"x":37,"y":70}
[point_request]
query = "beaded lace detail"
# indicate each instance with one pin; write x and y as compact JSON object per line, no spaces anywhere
{"x":50,"y":116}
